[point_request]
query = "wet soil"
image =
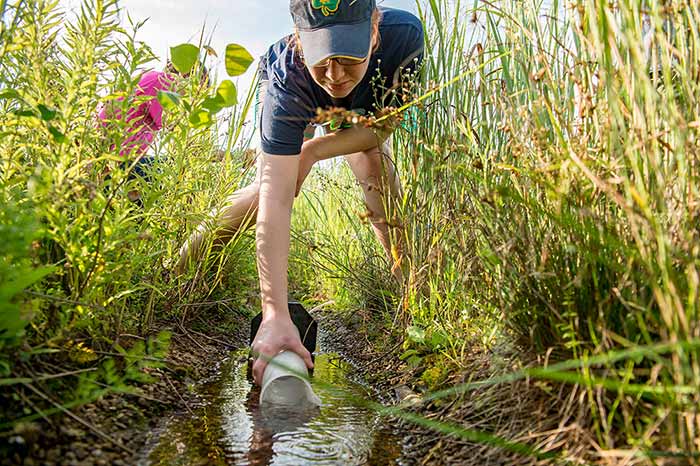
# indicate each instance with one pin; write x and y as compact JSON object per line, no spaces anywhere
{"x":112,"y":430}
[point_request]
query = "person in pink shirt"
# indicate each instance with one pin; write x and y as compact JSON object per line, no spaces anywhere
{"x":143,"y":120}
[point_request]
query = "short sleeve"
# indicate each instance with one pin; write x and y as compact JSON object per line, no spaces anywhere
{"x":399,"y":57}
{"x":285,"y":114}
{"x":411,"y":52}
{"x":155,"y":110}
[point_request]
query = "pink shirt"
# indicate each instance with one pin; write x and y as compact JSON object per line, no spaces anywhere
{"x":145,"y":119}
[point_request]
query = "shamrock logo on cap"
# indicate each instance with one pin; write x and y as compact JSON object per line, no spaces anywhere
{"x":327,"y":7}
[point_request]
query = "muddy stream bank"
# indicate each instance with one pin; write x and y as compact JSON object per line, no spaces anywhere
{"x":202,"y":409}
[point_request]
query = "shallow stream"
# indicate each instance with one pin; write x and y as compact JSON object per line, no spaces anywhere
{"x":231,"y":428}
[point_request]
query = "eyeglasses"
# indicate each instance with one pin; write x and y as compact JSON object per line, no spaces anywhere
{"x":342,"y":61}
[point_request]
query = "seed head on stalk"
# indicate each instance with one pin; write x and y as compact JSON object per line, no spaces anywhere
{"x":340,"y":116}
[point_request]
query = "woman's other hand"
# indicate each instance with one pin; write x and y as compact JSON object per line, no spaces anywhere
{"x":275,"y":335}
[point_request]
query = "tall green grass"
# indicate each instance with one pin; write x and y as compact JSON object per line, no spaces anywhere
{"x":82,"y":267}
{"x":329,"y":228}
{"x":551,"y":201}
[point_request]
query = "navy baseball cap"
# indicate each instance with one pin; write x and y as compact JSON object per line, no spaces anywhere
{"x":333,"y":28}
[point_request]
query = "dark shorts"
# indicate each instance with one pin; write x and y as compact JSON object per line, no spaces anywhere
{"x":142,"y":169}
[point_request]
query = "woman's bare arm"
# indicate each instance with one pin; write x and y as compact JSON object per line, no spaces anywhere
{"x":278,"y":178}
{"x":278,"y":183}
{"x":346,"y":141}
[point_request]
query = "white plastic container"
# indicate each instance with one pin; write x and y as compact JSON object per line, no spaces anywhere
{"x":285,"y":382}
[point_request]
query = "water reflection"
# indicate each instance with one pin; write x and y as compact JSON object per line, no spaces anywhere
{"x":271,"y":421}
{"x":232,"y":428}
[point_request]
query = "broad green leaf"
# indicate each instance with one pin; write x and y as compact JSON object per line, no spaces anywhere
{"x":25,"y":113}
{"x":9,"y":94}
{"x":11,"y":288}
{"x":438,"y":339}
{"x":408,"y":354}
{"x":184,"y":56}
{"x":11,"y":322}
{"x":226,"y":96}
{"x":169,"y":100}
{"x":227,"y":92}
{"x":200,"y":117}
{"x":47,"y":114}
{"x":214,"y":104}
{"x":414,"y":361}
{"x":58,"y":136}
{"x":237,"y":60}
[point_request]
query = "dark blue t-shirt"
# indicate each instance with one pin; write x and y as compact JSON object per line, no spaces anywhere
{"x":293,"y":96}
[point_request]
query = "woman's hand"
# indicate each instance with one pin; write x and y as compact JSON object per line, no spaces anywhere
{"x":276,"y":335}
{"x":307,"y":160}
